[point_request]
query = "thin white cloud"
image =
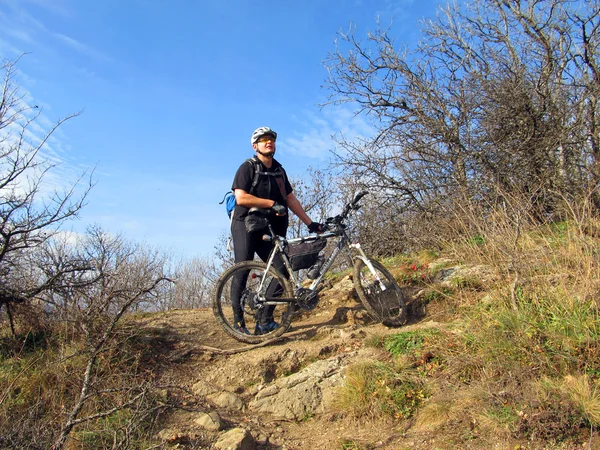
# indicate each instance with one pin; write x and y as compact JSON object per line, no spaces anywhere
{"x":31,"y":22}
{"x":317,"y":132}
{"x":54,"y":151}
{"x":52,"y":6}
{"x":67,"y":237}
{"x":17,"y":23}
{"x":35,"y":125}
{"x":20,"y":35}
{"x":81,"y":48}
{"x":7,"y":49}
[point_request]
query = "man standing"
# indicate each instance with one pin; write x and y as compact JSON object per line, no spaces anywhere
{"x":271,"y":189}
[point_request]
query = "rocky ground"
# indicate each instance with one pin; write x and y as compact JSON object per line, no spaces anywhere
{"x":227,"y":395}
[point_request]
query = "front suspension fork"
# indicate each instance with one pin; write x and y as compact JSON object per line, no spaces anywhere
{"x":368,"y":263}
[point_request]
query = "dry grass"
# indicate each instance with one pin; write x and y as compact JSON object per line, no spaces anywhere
{"x":532,"y":313}
{"x":375,"y":390}
{"x":41,"y":381}
{"x":580,"y":391}
{"x":539,"y":320}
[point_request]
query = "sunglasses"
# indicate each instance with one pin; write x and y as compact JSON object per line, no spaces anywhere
{"x":265,"y":139}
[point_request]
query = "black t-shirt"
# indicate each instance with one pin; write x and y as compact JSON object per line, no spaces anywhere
{"x":275,"y":188}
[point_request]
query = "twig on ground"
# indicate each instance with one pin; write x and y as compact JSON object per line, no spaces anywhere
{"x":233,"y":351}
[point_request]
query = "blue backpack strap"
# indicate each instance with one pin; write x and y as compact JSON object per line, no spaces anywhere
{"x":225,"y":197}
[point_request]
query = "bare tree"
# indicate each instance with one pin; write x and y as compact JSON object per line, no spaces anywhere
{"x":93,"y":353}
{"x":29,"y":213}
{"x":193,"y":283}
{"x":112,"y":278}
{"x":318,"y":194}
{"x":499,"y":96}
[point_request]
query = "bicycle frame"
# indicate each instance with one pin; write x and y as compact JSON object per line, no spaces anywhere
{"x":263,"y":293}
{"x":279,"y":246}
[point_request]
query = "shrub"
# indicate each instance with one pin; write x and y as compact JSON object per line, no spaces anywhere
{"x":374,"y":390}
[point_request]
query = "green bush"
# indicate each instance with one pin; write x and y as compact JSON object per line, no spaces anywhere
{"x":409,"y":342}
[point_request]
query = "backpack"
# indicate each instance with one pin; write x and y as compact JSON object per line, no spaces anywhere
{"x":229,"y":198}
{"x":230,"y":203}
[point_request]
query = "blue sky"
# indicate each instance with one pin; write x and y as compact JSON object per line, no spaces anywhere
{"x":171,"y":92}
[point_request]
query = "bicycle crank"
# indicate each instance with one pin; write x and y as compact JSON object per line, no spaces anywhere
{"x":307,"y":298}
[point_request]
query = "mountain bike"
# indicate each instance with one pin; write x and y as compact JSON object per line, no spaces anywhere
{"x":260,"y":285}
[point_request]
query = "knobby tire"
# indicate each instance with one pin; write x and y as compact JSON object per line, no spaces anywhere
{"x":222,"y":307}
{"x":387,"y":306}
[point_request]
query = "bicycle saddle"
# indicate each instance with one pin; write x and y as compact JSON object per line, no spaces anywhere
{"x":259,"y":211}
{"x":256,"y":220}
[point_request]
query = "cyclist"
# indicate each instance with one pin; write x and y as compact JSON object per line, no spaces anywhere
{"x":270,"y":190}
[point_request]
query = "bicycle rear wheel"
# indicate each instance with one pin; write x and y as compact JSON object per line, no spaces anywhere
{"x":380,"y":295}
{"x":232,"y":281}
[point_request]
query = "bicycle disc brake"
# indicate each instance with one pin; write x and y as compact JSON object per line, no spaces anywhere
{"x":307,"y":299}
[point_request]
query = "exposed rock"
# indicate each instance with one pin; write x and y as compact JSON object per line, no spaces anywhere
{"x":236,"y":439}
{"x":445,"y":274}
{"x":210,"y":421}
{"x":227,"y":400}
{"x":440,"y":263}
{"x":345,"y":284}
{"x":261,"y":438}
{"x":453,"y":275}
{"x":340,"y":292}
{"x":286,"y":361}
{"x":203,"y":388}
{"x":301,"y":394}
{"x":171,"y":436}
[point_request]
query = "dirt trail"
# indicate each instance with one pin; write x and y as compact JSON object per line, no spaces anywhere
{"x":184,"y":342}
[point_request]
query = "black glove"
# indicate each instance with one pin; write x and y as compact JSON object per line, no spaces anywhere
{"x":316,"y":227}
{"x":278,"y":209}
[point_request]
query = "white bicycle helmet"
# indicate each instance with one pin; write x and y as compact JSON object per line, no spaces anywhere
{"x":261,"y":132}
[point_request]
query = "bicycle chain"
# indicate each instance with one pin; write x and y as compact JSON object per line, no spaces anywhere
{"x":307,"y":298}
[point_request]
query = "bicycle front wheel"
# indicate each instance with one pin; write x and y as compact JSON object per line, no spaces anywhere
{"x":379,"y":293}
{"x":236,"y":305}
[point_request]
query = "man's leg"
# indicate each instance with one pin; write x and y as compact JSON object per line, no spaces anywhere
{"x":243,"y":251}
{"x":274,"y":289}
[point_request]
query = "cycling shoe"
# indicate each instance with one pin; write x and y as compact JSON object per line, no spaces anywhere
{"x":266,"y":328}
{"x":241,"y":328}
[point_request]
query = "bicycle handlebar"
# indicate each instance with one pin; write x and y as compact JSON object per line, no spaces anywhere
{"x":353,"y":205}
{"x":335,"y":221}
{"x":358,"y":196}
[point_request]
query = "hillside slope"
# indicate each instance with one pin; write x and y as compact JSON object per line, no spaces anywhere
{"x":197,"y":372}
{"x":224,"y":394}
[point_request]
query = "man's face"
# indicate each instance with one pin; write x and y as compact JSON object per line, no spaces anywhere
{"x":265,"y":145}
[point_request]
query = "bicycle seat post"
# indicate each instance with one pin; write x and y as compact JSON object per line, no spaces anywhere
{"x":272,"y":237}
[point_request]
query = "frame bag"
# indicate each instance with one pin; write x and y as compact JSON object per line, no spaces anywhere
{"x":305,"y":254}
